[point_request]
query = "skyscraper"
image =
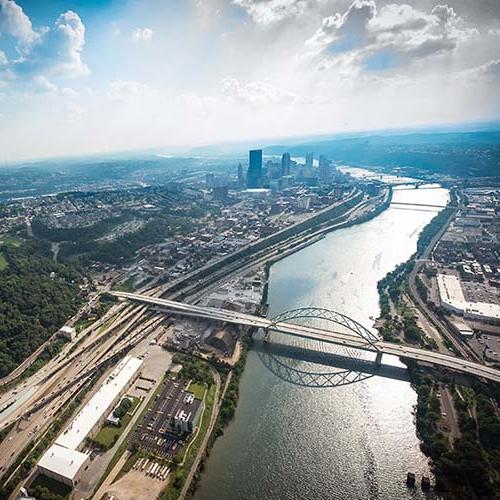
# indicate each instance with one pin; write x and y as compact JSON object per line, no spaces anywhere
{"x":324,"y":170}
{"x":308,"y":170}
{"x":285,"y":164}
{"x":254,"y":174}
{"x":241,"y":179}
{"x":309,"y":161}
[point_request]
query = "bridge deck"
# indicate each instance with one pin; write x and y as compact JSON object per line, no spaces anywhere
{"x":308,"y":332}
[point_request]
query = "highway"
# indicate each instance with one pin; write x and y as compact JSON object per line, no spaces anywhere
{"x":32,"y":404}
{"x":307,"y":332}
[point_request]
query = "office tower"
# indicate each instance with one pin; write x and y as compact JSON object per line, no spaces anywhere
{"x":254,"y":174}
{"x":324,"y":171}
{"x":309,"y":161}
{"x":241,"y":180}
{"x":210,"y":180}
{"x":285,"y":164}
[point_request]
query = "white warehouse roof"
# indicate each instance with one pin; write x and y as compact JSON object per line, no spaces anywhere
{"x":90,"y":414}
{"x":452,"y":296}
{"x":64,"y":462}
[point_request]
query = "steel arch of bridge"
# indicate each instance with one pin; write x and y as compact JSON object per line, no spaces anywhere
{"x":312,"y":379}
{"x":328,"y":315}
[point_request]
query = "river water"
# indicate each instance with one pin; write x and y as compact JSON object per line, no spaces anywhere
{"x":352,"y":442}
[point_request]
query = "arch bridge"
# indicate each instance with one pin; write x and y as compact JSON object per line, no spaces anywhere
{"x":310,"y":328}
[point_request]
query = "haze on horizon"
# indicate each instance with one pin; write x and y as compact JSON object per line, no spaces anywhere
{"x":80,"y":77}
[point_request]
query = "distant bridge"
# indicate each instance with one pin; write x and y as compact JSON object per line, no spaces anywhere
{"x":423,"y":205}
{"x":353,"y":334}
{"x":413,"y":186}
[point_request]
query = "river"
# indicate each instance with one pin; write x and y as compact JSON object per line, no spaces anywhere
{"x":352,"y":442}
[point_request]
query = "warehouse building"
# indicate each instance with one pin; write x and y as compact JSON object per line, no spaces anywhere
{"x":64,"y":460}
{"x":452,"y":298}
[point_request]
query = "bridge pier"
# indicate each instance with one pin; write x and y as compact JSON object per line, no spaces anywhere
{"x":378,"y":359}
{"x":266,"y":335}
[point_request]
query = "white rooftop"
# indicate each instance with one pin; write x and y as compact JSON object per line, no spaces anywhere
{"x":62,"y":461}
{"x":452,"y":295}
{"x":90,"y":414}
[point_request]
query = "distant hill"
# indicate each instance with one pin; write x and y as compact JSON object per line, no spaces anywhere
{"x":464,"y":154}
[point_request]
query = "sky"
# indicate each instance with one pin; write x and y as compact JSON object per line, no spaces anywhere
{"x":80,"y":77}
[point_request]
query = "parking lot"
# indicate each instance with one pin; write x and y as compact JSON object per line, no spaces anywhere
{"x":480,"y":292}
{"x":487,"y":346}
{"x":153,"y":434}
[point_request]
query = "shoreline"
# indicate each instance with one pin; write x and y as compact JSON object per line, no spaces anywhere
{"x":246,"y":346}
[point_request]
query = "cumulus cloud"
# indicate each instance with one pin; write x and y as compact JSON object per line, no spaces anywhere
{"x":142,"y":34}
{"x":394,"y":35}
{"x":123,"y":90}
{"x":42,"y":85}
{"x":3,"y":58}
{"x":255,"y":93}
{"x":58,"y":51}
{"x":267,"y":12}
{"x":14,"y":22}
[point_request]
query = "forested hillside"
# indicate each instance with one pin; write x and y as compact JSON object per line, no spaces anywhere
{"x":37,"y":296}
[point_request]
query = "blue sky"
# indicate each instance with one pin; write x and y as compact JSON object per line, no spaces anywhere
{"x":88,"y":76}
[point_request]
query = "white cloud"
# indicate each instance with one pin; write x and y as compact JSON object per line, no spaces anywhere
{"x":395,"y":35}
{"x":255,"y":92}
{"x":3,"y":58}
{"x":484,"y":72}
{"x":142,"y":34}
{"x":74,"y":113}
{"x":123,"y":90}
{"x":494,"y":32}
{"x":14,"y":22}
{"x":267,"y":12}
{"x":58,"y":51}
{"x":42,"y":85}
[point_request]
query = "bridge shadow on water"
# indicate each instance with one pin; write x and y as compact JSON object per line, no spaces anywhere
{"x":310,"y":368}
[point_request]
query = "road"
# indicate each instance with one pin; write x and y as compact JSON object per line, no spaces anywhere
{"x":201,"y":451}
{"x":412,"y":286}
{"x":35,"y":402}
{"x":333,"y":337}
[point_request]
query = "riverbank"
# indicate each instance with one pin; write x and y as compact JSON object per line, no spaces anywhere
{"x":464,"y":459}
{"x":355,"y":441}
{"x":231,"y":397}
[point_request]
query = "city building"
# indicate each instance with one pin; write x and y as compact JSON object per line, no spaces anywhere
{"x":63,"y":465}
{"x":285,"y":164}
{"x":309,"y":161}
{"x":64,"y":460}
{"x":221,"y":193}
{"x":453,"y":299}
{"x":324,"y":171}
{"x":187,"y":414}
{"x":67,"y":332}
{"x":254,"y":174}
{"x":241,"y":177}
{"x":210,"y":180}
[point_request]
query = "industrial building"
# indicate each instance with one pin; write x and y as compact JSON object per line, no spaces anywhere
{"x":64,"y":460}
{"x":63,"y":465}
{"x":68,"y":332}
{"x":452,"y":298}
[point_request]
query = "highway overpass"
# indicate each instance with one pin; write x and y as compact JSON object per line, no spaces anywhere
{"x":358,"y":339}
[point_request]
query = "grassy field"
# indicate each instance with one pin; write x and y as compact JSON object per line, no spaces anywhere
{"x":10,"y":241}
{"x":197,"y":389}
{"x":3,"y":262}
{"x":109,"y":434}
